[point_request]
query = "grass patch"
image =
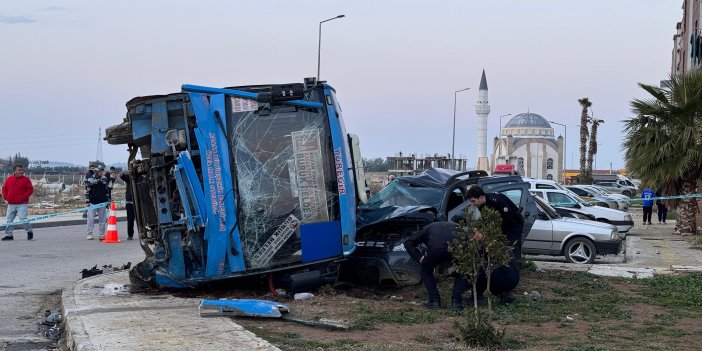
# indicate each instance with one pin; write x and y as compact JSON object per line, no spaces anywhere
{"x":368,"y":318}
{"x":528,"y":265}
{"x":581,"y":347}
{"x":683,"y":292}
{"x":293,"y":341}
{"x":483,"y":334}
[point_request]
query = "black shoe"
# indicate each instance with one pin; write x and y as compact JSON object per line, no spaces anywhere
{"x":7,"y":238}
{"x":457,"y":306}
{"x":130,"y":237}
{"x":30,"y":235}
{"x":507,"y":297}
{"x":432,"y":305}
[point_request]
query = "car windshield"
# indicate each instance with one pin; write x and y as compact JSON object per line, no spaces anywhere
{"x":403,"y":193}
{"x":595,"y":190}
{"x":543,"y":206}
{"x":605,"y":191}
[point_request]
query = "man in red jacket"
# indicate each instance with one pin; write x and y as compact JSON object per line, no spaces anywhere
{"x":16,"y":191}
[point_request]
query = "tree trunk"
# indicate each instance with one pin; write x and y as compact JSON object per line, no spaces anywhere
{"x":687,"y":209}
{"x":592,"y":150}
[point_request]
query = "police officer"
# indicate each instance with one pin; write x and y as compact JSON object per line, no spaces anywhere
{"x":436,"y":237}
{"x":503,"y":279}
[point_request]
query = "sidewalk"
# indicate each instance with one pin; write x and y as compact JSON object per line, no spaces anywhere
{"x":650,"y":250}
{"x":98,"y":317}
{"x":61,"y":221}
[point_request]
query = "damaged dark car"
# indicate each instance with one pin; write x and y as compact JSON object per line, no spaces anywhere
{"x":407,"y":204}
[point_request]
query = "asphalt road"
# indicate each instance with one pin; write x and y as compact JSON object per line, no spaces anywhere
{"x":32,"y":273}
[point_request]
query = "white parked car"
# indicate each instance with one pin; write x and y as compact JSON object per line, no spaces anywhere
{"x":598,"y":195}
{"x":622,"y":220}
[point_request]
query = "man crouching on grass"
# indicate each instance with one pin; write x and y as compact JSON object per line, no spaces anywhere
{"x":436,"y":237}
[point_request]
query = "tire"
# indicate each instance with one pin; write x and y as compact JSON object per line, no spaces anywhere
{"x":626,"y":193}
{"x":580,"y":251}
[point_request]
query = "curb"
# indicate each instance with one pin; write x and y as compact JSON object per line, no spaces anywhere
{"x":76,"y":336}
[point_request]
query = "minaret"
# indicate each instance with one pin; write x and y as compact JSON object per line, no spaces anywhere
{"x":482,"y":109}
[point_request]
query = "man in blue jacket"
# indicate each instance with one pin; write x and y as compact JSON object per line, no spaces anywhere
{"x":647,"y":195}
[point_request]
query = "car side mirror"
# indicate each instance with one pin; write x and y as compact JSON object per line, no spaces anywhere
{"x":543,"y":216}
{"x":576,"y":206}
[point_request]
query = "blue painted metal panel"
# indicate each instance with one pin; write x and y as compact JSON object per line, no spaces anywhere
{"x":224,"y":252}
{"x":159,"y":122}
{"x":320,"y":240}
{"x":244,"y":94}
{"x":192,"y":182}
{"x":241,"y":307}
{"x":185,"y":199}
{"x":344,"y":175}
{"x":176,"y":265}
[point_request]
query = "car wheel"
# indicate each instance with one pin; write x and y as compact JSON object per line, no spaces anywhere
{"x":626,"y":192}
{"x":580,"y":251}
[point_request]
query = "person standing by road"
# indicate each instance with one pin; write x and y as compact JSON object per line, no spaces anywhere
{"x":647,"y":203}
{"x":130,"y":205}
{"x":503,"y":279}
{"x":662,"y":207}
{"x":111,"y":177}
{"x":16,"y":191}
{"x":436,"y":236}
{"x":98,"y":193}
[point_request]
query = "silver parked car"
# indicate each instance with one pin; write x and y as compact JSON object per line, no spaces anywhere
{"x":617,"y":188}
{"x":580,"y":241}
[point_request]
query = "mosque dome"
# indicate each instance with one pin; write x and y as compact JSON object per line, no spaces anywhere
{"x":527,"y":120}
{"x":528,"y":125}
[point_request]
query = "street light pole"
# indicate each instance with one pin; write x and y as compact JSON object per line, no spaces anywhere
{"x":499,"y":132}
{"x":453,"y":140}
{"x":565,"y":147}
{"x":319,"y":48}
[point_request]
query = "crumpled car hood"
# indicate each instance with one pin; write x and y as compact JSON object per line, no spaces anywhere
{"x":394,"y":214}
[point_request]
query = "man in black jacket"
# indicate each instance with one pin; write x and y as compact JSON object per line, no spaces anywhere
{"x":96,"y":188}
{"x":436,"y":237}
{"x":503,"y":279}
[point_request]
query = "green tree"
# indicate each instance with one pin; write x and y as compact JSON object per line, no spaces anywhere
{"x":663,"y":143}
{"x":376,"y":164}
{"x":18,"y":159}
{"x":480,"y":245}
{"x":585,"y":177}
{"x":592,"y":150}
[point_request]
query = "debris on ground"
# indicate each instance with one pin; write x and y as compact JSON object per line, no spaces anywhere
{"x":303,"y":296}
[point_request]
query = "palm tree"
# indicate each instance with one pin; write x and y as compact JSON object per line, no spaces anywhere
{"x":585,"y":177}
{"x":592,"y":150}
{"x":664,"y":142}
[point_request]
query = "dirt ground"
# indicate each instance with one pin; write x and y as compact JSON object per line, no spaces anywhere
{"x":575,"y":311}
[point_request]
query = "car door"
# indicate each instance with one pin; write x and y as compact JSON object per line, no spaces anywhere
{"x":540,"y":237}
{"x":520,"y":195}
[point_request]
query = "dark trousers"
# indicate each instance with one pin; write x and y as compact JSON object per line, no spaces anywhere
{"x":647,"y":212}
{"x":502,"y":279}
{"x":130,"y":220}
{"x":432,"y":259}
{"x":662,"y":213}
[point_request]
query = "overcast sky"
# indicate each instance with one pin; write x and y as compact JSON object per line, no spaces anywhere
{"x":68,"y":67}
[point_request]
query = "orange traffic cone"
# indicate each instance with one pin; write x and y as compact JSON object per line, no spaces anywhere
{"x":111,"y":236}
